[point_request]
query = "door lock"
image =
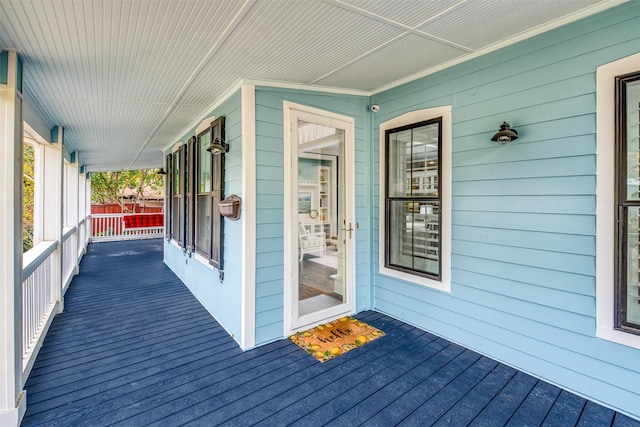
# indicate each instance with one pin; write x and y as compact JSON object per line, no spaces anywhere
{"x":350,"y":230}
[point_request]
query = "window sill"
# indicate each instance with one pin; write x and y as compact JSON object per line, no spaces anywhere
{"x":204,"y":261}
{"x":444,"y":286}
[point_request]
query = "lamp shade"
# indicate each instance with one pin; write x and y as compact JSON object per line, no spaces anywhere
{"x":218,"y":147}
{"x":505,"y":134}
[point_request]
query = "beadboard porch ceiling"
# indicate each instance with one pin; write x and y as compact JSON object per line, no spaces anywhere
{"x":128,"y":78}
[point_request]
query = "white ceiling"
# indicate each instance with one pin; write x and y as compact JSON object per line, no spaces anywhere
{"x":127,"y":78}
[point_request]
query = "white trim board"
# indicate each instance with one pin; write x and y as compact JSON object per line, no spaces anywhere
{"x":605,"y":199}
{"x":249,"y":219}
{"x":445,"y":227}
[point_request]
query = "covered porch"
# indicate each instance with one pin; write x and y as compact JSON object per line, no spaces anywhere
{"x":356,"y":135}
{"x":134,"y":347}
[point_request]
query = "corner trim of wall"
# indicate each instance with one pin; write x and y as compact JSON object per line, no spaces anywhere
{"x":248,"y":321}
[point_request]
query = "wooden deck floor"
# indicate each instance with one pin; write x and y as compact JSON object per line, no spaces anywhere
{"x":134,"y":347}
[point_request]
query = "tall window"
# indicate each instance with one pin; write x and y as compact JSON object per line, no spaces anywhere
{"x":190,"y":196}
{"x":628,"y":202}
{"x":168,"y":197}
{"x":413,"y":198}
{"x":209,"y":189}
{"x":177,"y":191}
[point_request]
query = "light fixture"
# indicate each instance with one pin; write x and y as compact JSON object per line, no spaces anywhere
{"x":161,"y":171}
{"x":505,"y":135}
{"x":217,"y":147}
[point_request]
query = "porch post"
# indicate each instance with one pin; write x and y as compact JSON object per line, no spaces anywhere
{"x":82,"y":208}
{"x":12,"y":397}
{"x":73,"y":212}
{"x":52,"y":207}
{"x":88,"y":206}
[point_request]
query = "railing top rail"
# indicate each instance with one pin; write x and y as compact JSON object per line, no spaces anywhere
{"x":143,"y":213}
{"x":35,"y":256}
{"x":67,"y":232}
{"x":119,"y":214}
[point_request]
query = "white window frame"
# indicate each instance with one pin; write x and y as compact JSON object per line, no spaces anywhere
{"x":444,"y":284}
{"x":605,"y":200}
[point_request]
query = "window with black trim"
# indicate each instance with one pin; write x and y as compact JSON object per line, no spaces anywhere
{"x":628,"y":202}
{"x":413,"y":198}
{"x":190,"y":227}
{"x":177,"y":195}
{"x":209,"y":186}
{"x":168,"y":196}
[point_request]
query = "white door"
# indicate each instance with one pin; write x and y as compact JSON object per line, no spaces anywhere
{"x":319,"y":217}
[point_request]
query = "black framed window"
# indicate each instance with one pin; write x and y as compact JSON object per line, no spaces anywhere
{"x":168,"y":196}
{"x":209,"y":186}
{"x":190,"y":227}
{"x":177,"y":196}
{"x":628,"y":202}
{"x":413,"y":198}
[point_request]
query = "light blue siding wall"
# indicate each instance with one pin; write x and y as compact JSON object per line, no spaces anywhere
{"x":270,"y":201}
{"x":223,"y":300}
{"x":523,"y":221}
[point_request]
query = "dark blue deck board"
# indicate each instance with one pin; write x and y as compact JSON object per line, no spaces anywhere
{"x":292,"y":391}
{"x":467,"y":408}
{"x":360,"y":401}
{"x":535,"y":407}
{"x":134,"y":347}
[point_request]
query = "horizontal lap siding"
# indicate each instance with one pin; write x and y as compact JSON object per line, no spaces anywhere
{"x":222,"y":300}
{"x":523,"y":215}
{"x":270,"y":201}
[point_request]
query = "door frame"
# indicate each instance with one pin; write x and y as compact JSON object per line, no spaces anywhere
{"x":292,"y":113}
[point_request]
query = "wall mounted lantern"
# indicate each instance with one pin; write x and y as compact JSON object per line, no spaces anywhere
{"x":505,"y":135}
{"x":217,"y":147}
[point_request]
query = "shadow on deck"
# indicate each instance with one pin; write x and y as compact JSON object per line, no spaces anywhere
{"x":134,"y":347}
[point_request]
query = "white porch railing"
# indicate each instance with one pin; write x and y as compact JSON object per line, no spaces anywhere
{"x":38,"y":299}
{"x":106,"y":227}
{"x":110,"y":227}
{"x":82,"y":237}
{"x":69,"y":256}
{"x":45,"y":277}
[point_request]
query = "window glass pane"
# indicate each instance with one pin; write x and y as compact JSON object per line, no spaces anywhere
{"x":414,"y":235}
{"x":633,"y":139}
{"x":176,"y":174}
{"x":633,"y":217}
{"x":424,"y":163}
{"x":399,"y":162}
{"x":632,"y":293}
{"x":204,"y":164}
{"x":413,"y":162}
{"x":203,"y":230}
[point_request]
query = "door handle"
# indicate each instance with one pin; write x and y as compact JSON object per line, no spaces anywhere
{"x":350,"y":230}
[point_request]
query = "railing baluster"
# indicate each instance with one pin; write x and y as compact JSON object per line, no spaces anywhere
{"x":109,"y":227}
{"x":37,"y":297}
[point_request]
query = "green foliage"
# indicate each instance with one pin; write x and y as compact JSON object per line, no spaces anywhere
{"x":28,"y":193}
{"x":108,"y":187}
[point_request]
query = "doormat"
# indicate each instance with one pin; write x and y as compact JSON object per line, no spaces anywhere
{"x":324,"y":342}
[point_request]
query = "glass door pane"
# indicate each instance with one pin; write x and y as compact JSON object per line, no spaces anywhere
{"x":321,"y":218}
